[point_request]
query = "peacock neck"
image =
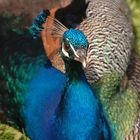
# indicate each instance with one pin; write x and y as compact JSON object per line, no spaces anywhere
{"x":74,"y":71}
{"x":77,"y":102}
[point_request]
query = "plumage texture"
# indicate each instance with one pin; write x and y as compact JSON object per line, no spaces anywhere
{"x":37,"y":27}
{"x":72,"y":36}
{"x":10,"y":22}
{"x":121,"y":105}
{"x":18,"y":65}
{"x":134,"y":72}
{"x":109,"y":32}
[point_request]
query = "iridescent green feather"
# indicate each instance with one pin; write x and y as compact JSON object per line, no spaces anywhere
{"x":120,"y":105}
{"x":20,"y":58}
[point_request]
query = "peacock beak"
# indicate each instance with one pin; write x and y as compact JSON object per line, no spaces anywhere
{"x":78,"y":54}
{"x":81,"y":56}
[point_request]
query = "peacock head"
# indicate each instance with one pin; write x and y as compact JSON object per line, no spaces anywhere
{"x":74,"y":45}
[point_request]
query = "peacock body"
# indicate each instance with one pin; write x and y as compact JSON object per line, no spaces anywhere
{"x":121,"y":104}
{"x":66,"y":122}
{"x":107,"y":26}
{"x":79,"y":115}
{"x":111,"y":94}
{"x":107,"y":90}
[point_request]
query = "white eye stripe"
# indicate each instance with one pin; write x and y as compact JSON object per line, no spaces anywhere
{"x":74,"y":50}
{"x":63,"y":50}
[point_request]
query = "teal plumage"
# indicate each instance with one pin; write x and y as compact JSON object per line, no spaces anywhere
{"x":18,"y":65}
{"x":72,"y":35}
{"x":36,"y":27}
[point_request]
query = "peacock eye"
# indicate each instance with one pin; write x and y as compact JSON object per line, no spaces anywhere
{"x":67,"y":47}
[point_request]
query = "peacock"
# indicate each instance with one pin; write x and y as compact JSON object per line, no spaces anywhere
{"x":68,"y":116}
{"x":79,"y":115}
{"x":36,"y":97}
{"x":116,"y":91}
{"x":110,"y":91}
{"x":108,"y":28}
{"x":110,"y":37}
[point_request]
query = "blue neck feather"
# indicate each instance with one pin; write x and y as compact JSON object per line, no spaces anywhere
{"x":52,"y":112}
{"x":79,"y":115}
{"x":42,"y":98}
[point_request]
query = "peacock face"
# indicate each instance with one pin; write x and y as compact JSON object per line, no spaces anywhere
{"x":74,"y":45}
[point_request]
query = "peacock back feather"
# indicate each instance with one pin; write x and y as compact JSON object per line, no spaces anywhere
{"x":20,"y":58}
{"x":121,"y":105}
